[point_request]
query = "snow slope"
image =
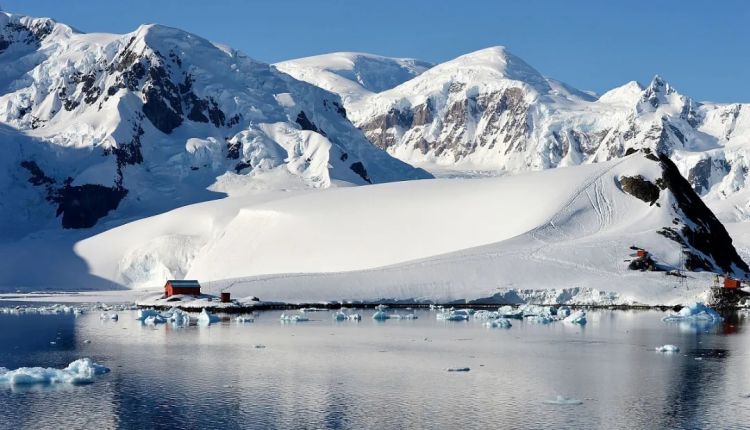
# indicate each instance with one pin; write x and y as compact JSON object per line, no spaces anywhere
{"x":430,"y":240}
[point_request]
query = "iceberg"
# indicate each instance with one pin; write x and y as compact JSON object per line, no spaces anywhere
{"x":178,"y":317}
{"x":510,"y":312}
{"x":562,"y":400}
{"x":540,"y":319}
{"x":154,"y":320}
{"x":207,"y":318}
{"x":499,"y":323}
{"x":242,"y":319}
{"x":145,"y":313}
{"x":668,"y":348}
{"x":577,"y":317}
{"x":81,"y":371}
{"x":380,"y":315}
{"x":454,"y":315}
{"x":695,"y":312}
{"x":293,"y":318}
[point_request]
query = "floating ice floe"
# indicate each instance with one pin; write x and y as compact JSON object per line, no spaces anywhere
{"x":540,"y":319}
{"x":155,"y":319}
{"x":510,"y":312}
{"x":564,"y":311}
{"x":244,"y":319}
{"x":667,"y":348}
{"x":293,"y":318}
{"x":178,"y":317}
{"x":499,"y":323}
{"x":145,"y":313}
{"x":207,"y":318}
{"x":354,"y":317}
{"x":340,"y":316}
{"x":577,"y":317}
{"x":562,"y":400}
{"x":380,"y":315}
{"x":454,"y":315}
{"x":81,"y":371}
{"x":697,"y":312}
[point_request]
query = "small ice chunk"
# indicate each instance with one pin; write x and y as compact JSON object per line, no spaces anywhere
{"x":668,"y":348}
{"x":207,"y":318}
{"x":244,"y":319}
{"x":81,"y":371}
{"x":562,"y":400}
{"x":510,"y":312}
{"x":145,"y":313}
{"x":178,"y":317}
{"x":340,"y":316}
{"x":114,"y":317}
{"x":293,"y":318}
{"x":86,"y":341}
{"x":259,"y":346}
{"x":695,"y":312}
{"x":564,"y":312}
{"x":154,"y":320}
{"x":577,"y":317}
{"x":539,"y":319}
{"x":354,"y":317}
{"x":458,"y":369}
{"x":380,"y":316}
{"x":499,"y":323}
{"x":454,"y":315}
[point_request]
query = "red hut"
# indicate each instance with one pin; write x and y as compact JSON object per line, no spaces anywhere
{"x":732,"y":284}
{"x":182,"y":286}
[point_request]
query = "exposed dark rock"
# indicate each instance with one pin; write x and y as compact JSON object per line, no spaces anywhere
{"x":641,"y":188}
{"x":359,"y":169}
{"x":37,"y":175}
{"x":306,"y":124}
{"x":242,"y":166}
{"x":233,"y":150}
{"x":82,"y":206}
{"x":704,"y":232}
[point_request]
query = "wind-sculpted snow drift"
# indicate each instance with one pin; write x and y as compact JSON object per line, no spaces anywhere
{"x":557,"y":236}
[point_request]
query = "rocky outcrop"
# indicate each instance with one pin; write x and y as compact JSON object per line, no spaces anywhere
{"x":706,"y":243}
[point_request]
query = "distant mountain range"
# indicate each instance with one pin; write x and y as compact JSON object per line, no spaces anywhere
{"x":490,"y":110}
{"x":140,"y":123}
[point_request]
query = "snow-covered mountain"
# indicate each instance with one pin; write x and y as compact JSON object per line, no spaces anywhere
{"x":353,"y":75}
{"x":135,"y":124}
{"x":565,"y":233}
{"x":490,"y":110}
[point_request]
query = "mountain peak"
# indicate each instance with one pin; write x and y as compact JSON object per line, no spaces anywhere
{"x":498,"y":61}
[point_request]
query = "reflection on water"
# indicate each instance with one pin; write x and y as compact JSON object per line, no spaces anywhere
{"x":348,"y":374}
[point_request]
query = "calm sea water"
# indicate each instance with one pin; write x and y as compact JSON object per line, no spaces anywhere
{"x":392,"y":374}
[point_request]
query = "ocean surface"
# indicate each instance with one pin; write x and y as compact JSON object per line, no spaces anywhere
{"x":368,"y":374}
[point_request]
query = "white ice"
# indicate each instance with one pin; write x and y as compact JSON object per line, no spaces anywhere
{"x":81,"y":371}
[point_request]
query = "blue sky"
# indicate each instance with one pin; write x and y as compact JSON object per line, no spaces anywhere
{"x":701,"y":47}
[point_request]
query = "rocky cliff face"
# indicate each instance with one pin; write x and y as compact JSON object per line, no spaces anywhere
{"x":98,"y":120}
